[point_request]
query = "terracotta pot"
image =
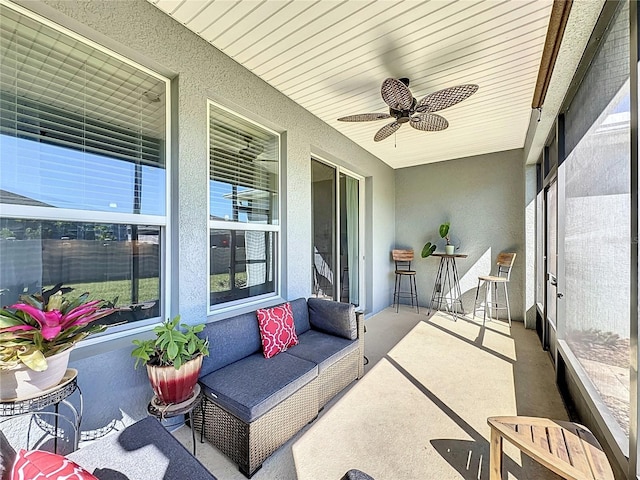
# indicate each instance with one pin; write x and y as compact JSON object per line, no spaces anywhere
{"x":22,"y":382}
{"x":174,"y":386}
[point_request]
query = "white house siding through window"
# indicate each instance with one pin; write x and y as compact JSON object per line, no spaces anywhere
{"x":83,"y":169}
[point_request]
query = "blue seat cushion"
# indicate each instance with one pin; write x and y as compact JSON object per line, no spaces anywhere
{"x":254,"y":385}
{"x":322,"y":348}
{"x":300,"y":315}
{"x":332,"y":317}
{"x":230,"y":340}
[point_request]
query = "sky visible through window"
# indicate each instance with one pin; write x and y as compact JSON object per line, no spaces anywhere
{"x":69,"y":178}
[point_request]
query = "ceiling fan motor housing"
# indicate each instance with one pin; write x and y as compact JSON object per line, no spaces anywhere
{"x":403,"y":116}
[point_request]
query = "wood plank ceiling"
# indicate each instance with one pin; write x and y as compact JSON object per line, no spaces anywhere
{"x":331,"y":57}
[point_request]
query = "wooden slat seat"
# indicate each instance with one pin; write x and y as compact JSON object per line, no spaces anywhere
{"x":566,"y":448}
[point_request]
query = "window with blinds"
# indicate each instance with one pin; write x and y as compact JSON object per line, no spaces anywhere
{"x":82,"y":132}
{"x":87,"y":127}
{"x":244,"y":165}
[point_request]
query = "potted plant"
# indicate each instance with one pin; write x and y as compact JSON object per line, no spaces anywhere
{"x":444,"y":233}
{"x":37,"y":335}
{"x":429,"y":247}
{"x":173,"y":359}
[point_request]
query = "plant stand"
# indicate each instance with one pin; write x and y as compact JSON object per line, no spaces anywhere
{"x":162,"y":412}
{"x":34,"y":406}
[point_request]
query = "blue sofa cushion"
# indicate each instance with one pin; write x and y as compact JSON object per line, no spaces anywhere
{"x":333,"y":317}
{"x":300,"y":315}
{"x":230,"y":340}
{"x":142,"y":450}
{"x":321,"y":348}
{"x":254,"y":385}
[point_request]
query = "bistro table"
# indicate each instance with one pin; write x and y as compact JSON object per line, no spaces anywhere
{"x":446,"y":289}
{"x":35,"y":406}
{"x":566,"y":448}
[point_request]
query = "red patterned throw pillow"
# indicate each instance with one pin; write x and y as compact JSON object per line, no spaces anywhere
{"x":277,"y":330}
{"x":40,"y":465}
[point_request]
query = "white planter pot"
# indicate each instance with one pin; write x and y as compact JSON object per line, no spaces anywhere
{"x":22,"y":382}
{"x":449,"y":249}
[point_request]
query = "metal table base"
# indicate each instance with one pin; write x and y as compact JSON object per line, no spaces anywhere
{"x":446,"y":289}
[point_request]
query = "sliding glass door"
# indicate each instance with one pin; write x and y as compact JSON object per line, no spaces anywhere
{"x":337,"y":269}
{"x":551,"y":266}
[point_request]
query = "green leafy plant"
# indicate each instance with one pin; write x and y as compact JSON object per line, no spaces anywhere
{"x":429,"y":247}
{"x":174,"y":345}
{"x":44,"y":324}
{"x":444,"y":232}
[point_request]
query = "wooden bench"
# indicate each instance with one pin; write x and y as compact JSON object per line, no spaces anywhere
{"x":566,"y":448}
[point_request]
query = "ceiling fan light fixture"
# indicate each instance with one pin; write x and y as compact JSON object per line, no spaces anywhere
{"x":406,"y":109}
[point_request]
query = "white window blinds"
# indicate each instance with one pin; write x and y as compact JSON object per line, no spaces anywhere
{"x":244,"y":166}
{"x":80,"y":120}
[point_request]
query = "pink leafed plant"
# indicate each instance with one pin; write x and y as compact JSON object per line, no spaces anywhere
{"x":44,"y":324}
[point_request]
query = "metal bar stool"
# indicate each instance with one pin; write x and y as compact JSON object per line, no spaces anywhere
{"x":505,"y":263}
{"x":402,"y":259}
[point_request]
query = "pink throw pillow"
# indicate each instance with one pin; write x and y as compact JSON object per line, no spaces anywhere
{"x":38,"y":464}
{"x":277,"y":330}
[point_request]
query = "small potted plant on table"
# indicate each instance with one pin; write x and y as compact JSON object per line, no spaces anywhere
{"x":173,"y":359}
{"x":449,"y":249}
{"x":444,"y":233}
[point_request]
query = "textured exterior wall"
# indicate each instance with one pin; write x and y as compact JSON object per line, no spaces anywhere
{"x":530,"y":242}
{"x":483,"y":198}
{"x":138,"y":30}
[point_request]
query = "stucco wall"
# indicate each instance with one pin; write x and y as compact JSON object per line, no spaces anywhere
{"x":483,"y":198}
{"x":138,"y":30}
{"x":530,"y":242}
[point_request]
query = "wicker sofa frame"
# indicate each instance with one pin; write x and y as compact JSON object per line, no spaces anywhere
{"x":250,"y":444}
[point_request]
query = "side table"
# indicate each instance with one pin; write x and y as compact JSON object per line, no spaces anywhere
{"x":162,"y":411}
{"x":566,"y":448}
{"x":54,"y":396}
{"x":446,"y":289}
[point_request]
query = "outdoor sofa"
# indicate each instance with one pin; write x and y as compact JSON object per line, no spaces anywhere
{"x":252,"y":404}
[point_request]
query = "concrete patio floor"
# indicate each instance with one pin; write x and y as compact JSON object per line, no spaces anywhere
{"x":420,"y":410}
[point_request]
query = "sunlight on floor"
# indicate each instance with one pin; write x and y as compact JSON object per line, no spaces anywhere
{"x":421,"y":411}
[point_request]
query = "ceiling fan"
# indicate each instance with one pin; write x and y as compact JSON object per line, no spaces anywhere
{"x":404,"y":108}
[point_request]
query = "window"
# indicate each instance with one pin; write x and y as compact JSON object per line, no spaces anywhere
{"x":83,"y":170}
{"x":244,"y":166}
{"x":597,"y":219}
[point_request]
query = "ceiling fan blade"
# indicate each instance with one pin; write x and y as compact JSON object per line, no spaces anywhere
{"x":429,"y":122}
{"x":387,"y":130}
{"x":445,"y":98}
{"x":364,"y":117}
{"x":396,"y":94}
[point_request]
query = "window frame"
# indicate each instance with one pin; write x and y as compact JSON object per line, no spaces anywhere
{"x":275,"y":227}
{"x":163,"y":222}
